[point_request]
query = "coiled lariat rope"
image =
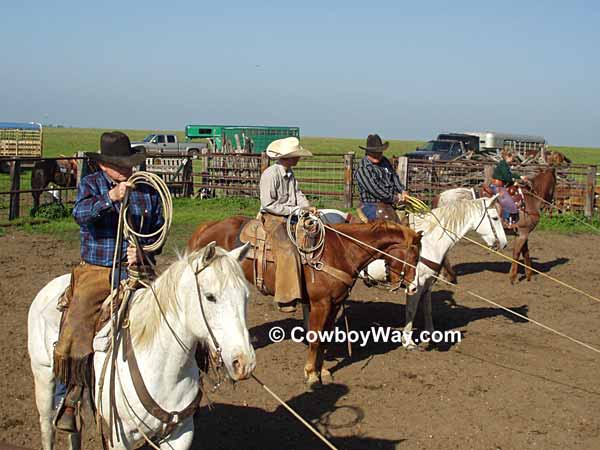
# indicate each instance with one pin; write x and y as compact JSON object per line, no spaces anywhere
{"x":125,"y":231}
{"x":308,"y":226}
{"x":416,"y":206}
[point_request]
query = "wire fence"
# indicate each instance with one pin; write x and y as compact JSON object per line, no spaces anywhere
{"x":327,"y":180}
{"x":33,"y":184}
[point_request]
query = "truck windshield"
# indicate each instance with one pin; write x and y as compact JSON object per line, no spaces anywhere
{"x":436,"y":146}
{"x":149,"y":137}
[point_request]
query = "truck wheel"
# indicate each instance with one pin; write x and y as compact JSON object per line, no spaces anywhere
{"x":193,"y":153}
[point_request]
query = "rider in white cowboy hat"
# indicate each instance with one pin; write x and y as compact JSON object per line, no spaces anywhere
{"x":281,"y":197}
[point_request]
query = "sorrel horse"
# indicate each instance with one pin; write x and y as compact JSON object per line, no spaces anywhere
{"x":325,"y":293}
{"x":542,"y":187}
{"x":201,"y":299}
{"x":442,"y":229}
{"x":61,"y":172}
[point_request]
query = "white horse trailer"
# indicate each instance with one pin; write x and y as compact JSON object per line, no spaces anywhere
{"x":526,"y":146}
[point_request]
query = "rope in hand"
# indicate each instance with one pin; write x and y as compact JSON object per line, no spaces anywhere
{"x":468,"y":292}
{"x":125,"y":231}
{"x":418,"y":207}
{"x":293,"y":231}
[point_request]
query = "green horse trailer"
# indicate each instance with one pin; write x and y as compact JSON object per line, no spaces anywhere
{"x":247,"y":139}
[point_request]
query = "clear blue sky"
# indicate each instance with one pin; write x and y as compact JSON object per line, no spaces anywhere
{"x":406,"y":70}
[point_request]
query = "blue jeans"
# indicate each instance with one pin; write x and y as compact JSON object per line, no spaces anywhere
{"x":505,"y":200}
{"x":59,"y":392}
{"x":369,"y":210}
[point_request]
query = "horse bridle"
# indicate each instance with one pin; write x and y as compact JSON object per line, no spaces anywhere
{"x":487,"y":214}
{"x":404,"y":264}
{"x":218,"y":350}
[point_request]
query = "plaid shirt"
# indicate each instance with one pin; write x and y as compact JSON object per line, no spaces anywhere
{"x":98,"y":216}
{"x":377,"y":182}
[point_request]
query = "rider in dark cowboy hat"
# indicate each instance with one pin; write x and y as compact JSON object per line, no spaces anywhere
{"x":96,"y":210}
{"x":378,"y":184}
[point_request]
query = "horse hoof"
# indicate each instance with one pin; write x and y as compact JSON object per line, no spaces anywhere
{"x":326,"y":376}
{"x":313,"y":381}
{"x":411,"y":347}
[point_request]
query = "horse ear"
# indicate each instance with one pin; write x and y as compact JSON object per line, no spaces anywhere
{"x":209,"y":253}
{"x":240,"y":252}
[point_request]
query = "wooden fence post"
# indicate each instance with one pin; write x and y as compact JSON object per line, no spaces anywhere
{"x":348,"y":179}
{"x":402,"y":171}
{"x":81,"y":167}
{"x":590,"y":191}
{"x":488,"y":170}
{"x":188,"y":178}
{"x":15,"y":187}
{"x":264,"y":162}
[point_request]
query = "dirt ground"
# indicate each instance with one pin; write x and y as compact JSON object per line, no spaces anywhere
{"x":508,"y":385}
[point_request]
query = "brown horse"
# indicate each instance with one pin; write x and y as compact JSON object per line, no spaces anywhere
{"x":555,"y":158}
{"x":541,"y":187}
{"x":61,"y":172}
{"x":323,"y":292}
{"x":534,"y":197}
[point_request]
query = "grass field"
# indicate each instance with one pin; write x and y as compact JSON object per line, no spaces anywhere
{"x":67,"y":141}
{"x":189,"y":213}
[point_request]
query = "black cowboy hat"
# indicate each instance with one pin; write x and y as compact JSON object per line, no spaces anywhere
{"x":375,"y":144}
{"x":115,"y":148}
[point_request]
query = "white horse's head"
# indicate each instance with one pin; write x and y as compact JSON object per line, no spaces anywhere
{"x":219,"y":319}
{"x":489,"y":226}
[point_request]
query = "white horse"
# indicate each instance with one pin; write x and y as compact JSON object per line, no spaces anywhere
{"x":165,"y":327}
{"x":441,"y":230}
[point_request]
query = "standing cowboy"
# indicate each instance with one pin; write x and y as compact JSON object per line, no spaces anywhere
{"x":96,"y":210}
{"x":378,"y":184}
{"x":281,"y":197}
{"x":502,"y":177}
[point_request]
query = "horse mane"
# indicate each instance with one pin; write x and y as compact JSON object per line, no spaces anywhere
{"x":150,"y":306}
{"x":452,"y":215}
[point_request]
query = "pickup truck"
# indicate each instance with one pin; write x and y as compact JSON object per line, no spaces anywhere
{"x":168,"y":145}
{"x":439,"y":149}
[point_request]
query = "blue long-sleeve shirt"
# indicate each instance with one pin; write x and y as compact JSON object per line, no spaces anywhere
{"x":97,"y":216}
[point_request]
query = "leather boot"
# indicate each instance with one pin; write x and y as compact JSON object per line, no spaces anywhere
{"x":66,"y":413}
{"x":514,"y":220}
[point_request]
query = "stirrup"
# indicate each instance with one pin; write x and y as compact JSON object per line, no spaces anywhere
{"x":288,"y":307}
{"x":65,"y":425}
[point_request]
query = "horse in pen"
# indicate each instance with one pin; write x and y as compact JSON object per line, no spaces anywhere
{"x":532,"y":200}
{"x":58,"y":172}
{"x":328,"y":281}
